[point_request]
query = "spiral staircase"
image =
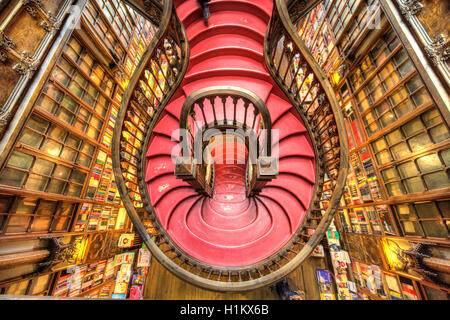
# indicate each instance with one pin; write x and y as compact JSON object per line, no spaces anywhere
{"x":229,"y":148}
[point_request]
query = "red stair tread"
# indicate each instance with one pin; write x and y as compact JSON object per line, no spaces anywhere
{"x":288,"y":125}
{"x":224,"y":61}
{"x":229,"y":256}
{"x":235,"y":237}
{"x":172,"y":201}
{"x":175,"y":105}
{"x":277,"y":106}
{"x":300,"y":188}
{"x":259,"y":87}
{"x":191,"y":12}
{"x":227,"y":40}
{"x":160,"y":186}
{"x":227,"y":50}
{"x":300,"y":166}
{"x":294,"y":145}
{"x":227,"y":18}
{"x":158,"y":166}
{"x":167,"y":126}
{"x":162,"y":145}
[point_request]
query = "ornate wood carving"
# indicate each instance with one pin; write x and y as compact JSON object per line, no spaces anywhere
{"x":102,"y":246}
{"x":435,"y":43}
{"x":434,"y":268}
{"x":152,"y":9}
{"x":27,"y":28}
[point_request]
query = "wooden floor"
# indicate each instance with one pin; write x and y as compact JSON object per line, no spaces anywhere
{"x":162,"y":285}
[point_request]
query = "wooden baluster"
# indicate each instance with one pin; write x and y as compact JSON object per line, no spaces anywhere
{"x":153,"y":94}
{"x":235,"y":102}
{"x":152,"y":71}
{"x":176,"y":25}
{"x":300,"y":67}
{"x":255,"y":115}
{"x":246,"y":105}
{"x":313,"y":85}
{"x":299,"y":88}
{"x":161,"y":69}
{"x":323,"y":105}
{"x":316,"y":97}
{"x":200,"y":104}
{"x":326,"y":127}
{"x":173,"y":52}
{"x":142,"y":91}
{"x":326,"y":114}
{"x":259,"y":272}
{"x":289,"y":63}
{"x":170,"y":74}
{"x":213,"y":105}
{"x":283,"y":50}
{"x":224,"y":102}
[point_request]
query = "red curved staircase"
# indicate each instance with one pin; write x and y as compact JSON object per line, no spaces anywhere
{"x":244,"y":220}
{"x":230,"y":229}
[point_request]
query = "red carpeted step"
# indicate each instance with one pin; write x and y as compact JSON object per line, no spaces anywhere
{"x":167,"y":126}
{"x":159,"y":165}
{"x":171,"y":202}
{"x":229,"y":38}
{"x":162,"y":145}
{"x":260,"y":87}
{"x":162,"y":185}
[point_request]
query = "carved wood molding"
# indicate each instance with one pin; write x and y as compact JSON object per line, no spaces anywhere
{"x":23,"y":62}
{"x":102,"y":246}
{"x":436,"y":46}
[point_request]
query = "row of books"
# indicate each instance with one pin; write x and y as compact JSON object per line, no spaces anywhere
{"x":78,"y":279}
{"x":102,"y":186}
{"x":97,"y":217}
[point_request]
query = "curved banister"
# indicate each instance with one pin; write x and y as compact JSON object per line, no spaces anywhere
{"x":142,"y":106}
{"x":195,"y":131}
{"x":298,"y":9}
{"x":150,"y":9}
{"x":153,"y":83}
{"x":163,"y":64}
{"x":299,"y":76}
{"x":223,"y":92}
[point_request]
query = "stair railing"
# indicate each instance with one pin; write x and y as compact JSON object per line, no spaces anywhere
{"x":299,"y":76}
{"x":151,"y":9}
{"x":214,"y":111}
{"x":155,"y":80}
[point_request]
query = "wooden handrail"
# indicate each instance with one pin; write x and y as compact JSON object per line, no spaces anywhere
{"x":150,"y":9}
{"x":153,"y":83}
{"x":302,"y":80}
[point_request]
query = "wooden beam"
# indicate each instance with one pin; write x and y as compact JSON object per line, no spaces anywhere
{"x":15,"y":259}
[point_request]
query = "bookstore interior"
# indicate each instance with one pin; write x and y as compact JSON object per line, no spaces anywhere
{"x":225,"y":149}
